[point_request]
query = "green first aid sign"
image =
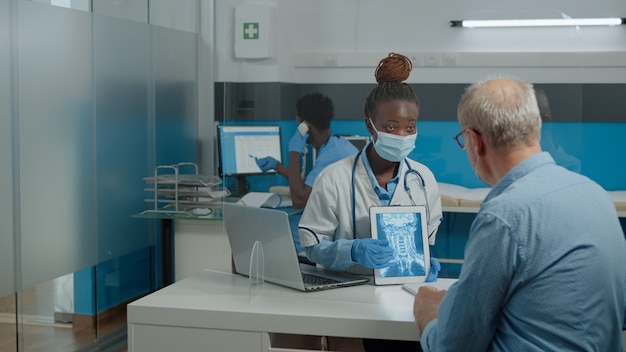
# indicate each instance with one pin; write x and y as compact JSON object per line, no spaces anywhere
{"x":251,"y":30}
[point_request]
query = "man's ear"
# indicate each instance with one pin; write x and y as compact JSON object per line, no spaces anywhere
{"x":478,"y":143}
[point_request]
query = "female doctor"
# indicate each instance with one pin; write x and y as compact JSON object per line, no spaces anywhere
{"x":335,"y":226}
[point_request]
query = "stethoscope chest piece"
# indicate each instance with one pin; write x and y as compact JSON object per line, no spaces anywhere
{"x":410,"y":171}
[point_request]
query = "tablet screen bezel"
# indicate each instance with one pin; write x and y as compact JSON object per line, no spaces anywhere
{"x":420,"y":211}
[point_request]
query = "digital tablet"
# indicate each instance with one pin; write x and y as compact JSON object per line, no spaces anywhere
{"x":405,"y":229}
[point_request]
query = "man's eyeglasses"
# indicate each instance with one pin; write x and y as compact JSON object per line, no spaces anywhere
{"x":460,"y":139}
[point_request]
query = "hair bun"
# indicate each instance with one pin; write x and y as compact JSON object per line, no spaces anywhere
{"x":393,"y":68}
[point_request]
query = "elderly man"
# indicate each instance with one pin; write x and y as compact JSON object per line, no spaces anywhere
{"x":545,"y":262}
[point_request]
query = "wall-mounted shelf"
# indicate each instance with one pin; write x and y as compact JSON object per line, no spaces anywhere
{"x":467,"y":59}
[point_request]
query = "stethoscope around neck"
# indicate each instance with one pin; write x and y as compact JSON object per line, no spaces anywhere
{"x":419,"y":179}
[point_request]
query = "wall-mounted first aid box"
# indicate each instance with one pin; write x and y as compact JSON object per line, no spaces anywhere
{"x":254,"y":31}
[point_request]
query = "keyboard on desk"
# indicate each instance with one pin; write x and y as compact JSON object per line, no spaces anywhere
{"x":317,"y":280}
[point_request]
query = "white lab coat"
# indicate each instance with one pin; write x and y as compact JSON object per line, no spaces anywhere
{"x":328,"y":213}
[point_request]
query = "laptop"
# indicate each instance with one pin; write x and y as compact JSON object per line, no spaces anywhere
{"x":246,"y":225}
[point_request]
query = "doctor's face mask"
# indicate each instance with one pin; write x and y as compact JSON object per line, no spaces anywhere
{"x":393,"y":147}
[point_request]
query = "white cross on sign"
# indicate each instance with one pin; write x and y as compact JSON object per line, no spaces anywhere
{"x":251,"y":30}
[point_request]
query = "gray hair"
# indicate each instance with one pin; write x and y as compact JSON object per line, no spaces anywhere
{"x":505,"y":114}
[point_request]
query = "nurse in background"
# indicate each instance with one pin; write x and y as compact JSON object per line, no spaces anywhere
{"x":314,"y":113}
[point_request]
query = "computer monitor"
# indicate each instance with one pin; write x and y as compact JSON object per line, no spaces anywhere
{"x":239,"y":145}
{"x":358,"y":141}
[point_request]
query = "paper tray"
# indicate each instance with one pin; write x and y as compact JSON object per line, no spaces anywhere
{"x":190,"y":193}
{"x":190,"y":180}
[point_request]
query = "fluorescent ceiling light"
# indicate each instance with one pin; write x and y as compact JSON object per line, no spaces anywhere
{"x":540,"y":22}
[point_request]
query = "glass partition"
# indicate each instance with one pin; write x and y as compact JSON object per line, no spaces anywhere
{"x":56,"y":164}
{"x":122,"y":80}
{"x":7,"y":245}
{"x":175,"y":95}
{"x":97,"y":94}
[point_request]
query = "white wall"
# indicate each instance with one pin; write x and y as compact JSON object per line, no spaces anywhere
{"x":329,"y":41}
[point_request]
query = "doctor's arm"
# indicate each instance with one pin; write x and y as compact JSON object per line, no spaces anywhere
{"x":341,"y":254}
{"x":331,"y":254}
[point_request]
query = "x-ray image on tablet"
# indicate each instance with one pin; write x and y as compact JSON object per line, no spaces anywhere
{"x":405,"y":229}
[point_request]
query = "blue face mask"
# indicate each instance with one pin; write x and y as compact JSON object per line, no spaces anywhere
{"x":392,"y":147}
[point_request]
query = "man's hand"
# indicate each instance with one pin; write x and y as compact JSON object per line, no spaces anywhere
{"x":426,"y":305}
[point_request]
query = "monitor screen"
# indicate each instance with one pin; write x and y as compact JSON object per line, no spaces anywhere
{"x":239,"y":145}
{"x":358,"y":141}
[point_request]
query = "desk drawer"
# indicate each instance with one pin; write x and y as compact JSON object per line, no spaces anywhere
{"x":151,"y":338}
{"x":309,"y":343}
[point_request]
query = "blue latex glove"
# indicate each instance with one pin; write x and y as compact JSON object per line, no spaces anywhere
{"x":372,"y":253}
{"x":298,"y":142}
{"x":434,"y":270}
{"x":267,"y":163}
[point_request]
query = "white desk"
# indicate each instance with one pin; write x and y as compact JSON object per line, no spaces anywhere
{"x":211,"y":311}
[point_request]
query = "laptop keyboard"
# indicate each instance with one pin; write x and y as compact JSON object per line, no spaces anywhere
{"x":317,"y":280}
